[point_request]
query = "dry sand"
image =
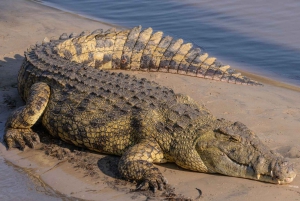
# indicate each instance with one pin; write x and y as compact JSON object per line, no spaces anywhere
{"x":272,"y":112}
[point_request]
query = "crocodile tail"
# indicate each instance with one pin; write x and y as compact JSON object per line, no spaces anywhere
{"x":137,"y":49}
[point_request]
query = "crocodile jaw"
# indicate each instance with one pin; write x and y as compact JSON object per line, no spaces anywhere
{"x":218,"y":162}
{"x":282,"y":173}
{"x":233,"y":150}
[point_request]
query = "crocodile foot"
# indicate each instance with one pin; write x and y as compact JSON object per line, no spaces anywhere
{"x":21,"y":137}
{"x":153,"y":179}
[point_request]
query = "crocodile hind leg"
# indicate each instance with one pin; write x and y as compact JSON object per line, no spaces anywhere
{"x":18,"y":126}
{"x":137,"y":164}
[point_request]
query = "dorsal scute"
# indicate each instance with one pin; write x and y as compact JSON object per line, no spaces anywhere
{"x":145,"y":50}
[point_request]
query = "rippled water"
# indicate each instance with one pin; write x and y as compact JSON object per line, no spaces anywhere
{"x":257,"y":36}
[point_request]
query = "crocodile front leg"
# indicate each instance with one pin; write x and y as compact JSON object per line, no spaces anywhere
{"x":137,"y":164}
{"x":18,"y":126}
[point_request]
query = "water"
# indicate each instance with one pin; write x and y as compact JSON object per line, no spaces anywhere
{"x":26,"y":189}
{"x":257,"y":36}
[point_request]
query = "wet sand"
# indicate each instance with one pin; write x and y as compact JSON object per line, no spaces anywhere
{"x":272,"y":112}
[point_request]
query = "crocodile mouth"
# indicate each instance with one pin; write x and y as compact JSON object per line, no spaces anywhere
{"x":286,"y":180}
{"x":250,"y":173}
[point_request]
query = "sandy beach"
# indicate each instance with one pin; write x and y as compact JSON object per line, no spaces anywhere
{"x":272,"y":112}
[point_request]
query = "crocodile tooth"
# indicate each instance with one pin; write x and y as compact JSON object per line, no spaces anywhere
{"x":258,"y":176}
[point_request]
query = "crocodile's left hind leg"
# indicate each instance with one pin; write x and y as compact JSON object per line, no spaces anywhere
{"x":18,"y":126}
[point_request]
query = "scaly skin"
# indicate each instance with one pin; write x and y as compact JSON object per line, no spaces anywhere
{"x":139,"y":120}
{"x":141,"y":50}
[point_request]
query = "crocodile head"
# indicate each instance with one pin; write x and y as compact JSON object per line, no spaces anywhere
{"x":234,"y":150}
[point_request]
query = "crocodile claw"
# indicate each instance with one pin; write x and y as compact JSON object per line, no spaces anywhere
{"x":153,"y":181}
{"x":21,"y":137}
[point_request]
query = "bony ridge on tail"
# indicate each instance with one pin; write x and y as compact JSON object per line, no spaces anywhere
{"x":143,"y":50}
{"x":64,"y":85}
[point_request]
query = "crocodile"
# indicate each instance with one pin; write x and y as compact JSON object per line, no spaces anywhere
{"x":69,"y":86}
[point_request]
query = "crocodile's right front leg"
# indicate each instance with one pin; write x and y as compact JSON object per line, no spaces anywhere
{"x":18,"y":126}
{"x":137,"y":164}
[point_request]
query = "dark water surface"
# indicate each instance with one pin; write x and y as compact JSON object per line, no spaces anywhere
{"x":257,"y":36}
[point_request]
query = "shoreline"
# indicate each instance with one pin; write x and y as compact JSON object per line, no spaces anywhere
{"x":270,"y":81}
{"x":77,"y":15}
{"x":270,"y":111}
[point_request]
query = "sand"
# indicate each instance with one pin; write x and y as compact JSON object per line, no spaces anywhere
{"x":272,"y":112}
